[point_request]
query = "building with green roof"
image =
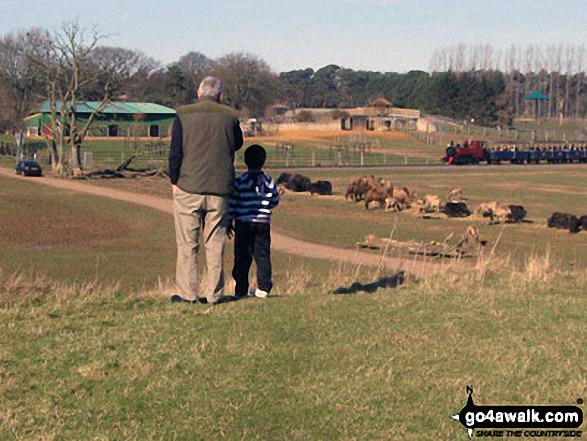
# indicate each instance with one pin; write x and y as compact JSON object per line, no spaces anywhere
{"x":117,"y":119}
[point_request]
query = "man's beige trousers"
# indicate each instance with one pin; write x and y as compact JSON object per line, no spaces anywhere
{"x":196,"y":214}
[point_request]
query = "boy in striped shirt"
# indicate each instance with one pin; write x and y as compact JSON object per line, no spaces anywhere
{"x":250,"y":207}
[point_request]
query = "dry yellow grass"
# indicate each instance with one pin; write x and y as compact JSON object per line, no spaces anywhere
{"x":300,"y":135}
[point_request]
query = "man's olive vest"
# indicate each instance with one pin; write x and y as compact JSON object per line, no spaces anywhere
{"x":210,"y":136}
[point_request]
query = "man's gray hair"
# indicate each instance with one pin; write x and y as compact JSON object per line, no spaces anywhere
{"x":210,"y":86}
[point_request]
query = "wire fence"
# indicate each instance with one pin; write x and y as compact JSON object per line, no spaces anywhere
{"x":362,"y":153}
{"x":445,"y":132}
{"x":354,"y":151}
{"x":316,"y":158}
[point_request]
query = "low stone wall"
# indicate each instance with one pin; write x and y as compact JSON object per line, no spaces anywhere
{"x":311,"y":127}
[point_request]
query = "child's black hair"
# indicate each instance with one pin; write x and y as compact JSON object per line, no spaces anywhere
{"x":255,"y":156}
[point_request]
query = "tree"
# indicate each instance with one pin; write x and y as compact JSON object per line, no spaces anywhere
{"x":69,"y":67}
{"x":19,"y":80}
{"x":295,"y":87}
{"x":327,"y":83}
{"x":249,"y":84}
{"x":122,"y":69}
{"x":195,"y":66}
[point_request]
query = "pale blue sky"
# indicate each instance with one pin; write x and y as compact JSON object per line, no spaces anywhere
{"x":380,"y":35}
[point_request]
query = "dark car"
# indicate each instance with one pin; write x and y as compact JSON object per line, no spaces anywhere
{"x":28,"y":168}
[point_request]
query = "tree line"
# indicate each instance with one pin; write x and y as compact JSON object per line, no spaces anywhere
{"x":73,"y":64}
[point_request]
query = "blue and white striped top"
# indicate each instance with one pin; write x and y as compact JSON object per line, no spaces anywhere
{"x":254,"y":197}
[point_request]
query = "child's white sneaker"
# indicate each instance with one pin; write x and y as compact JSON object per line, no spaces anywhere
{"x":259,"y":293}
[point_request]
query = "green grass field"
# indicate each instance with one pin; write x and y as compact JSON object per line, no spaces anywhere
{"x":104,"y":364}
{"x":540,"y":191}
{"x":99,"y":361}
{"x":76,"y":238}
{"x":332,"y":220}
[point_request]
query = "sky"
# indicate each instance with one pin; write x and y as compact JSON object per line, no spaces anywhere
{"x":376,"y":35}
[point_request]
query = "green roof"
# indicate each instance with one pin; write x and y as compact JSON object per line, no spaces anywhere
{"x":115,"y":107}
{"x":536,"y":96}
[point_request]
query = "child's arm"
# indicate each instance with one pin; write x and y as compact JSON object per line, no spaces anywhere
{"x":273,"y":194}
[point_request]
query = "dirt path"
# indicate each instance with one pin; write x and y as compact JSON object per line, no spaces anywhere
{"x":418,"y":267}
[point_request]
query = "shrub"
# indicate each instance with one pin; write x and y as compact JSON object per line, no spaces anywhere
{"x":339,"y":114}
{"x":305,"y":116}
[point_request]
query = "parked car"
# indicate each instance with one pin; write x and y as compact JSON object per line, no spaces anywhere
{"x":28,"y":168}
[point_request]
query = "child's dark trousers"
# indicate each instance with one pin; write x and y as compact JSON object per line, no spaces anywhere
{"x":252,"y":240}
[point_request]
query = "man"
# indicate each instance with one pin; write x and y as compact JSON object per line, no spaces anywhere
{"x":201,"y":169}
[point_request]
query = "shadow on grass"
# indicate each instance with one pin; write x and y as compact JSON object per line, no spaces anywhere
{"x":383,"y":282}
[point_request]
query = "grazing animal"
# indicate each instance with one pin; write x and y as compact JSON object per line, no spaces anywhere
{"x":564,"y":221}
{"x":323,"y":188}
{"x":376,"y":195}
{"x":298,"y":183}
{"x":517,"y":213}
{"x":429,"y":204}
{"x":498,"y":213}
{"x":455,"y":195}
{"x":456,"y":209}
{"x":484,"y":208}
{"x":470,"y":237}
{"x":583,"y":221}
{"x":283,"y":178}
{"x":493,"y":210}
{"x":358,"y":187}
{"x":392,"y":204}
{"x":403,"y":195}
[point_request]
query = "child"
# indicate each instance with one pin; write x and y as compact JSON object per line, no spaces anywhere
{"x":250,"y":207}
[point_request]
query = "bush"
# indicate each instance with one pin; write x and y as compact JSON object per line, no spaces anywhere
{"x":305,"y":116}
{"x":339,"y":114}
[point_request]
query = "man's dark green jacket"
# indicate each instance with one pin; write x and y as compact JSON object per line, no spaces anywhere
{"x":203,"y":142}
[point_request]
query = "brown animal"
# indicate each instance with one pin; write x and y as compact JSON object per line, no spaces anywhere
{"x":455,"y":195}
{"x":499,"y":214}
{"x":376,"y":195}
{"x":358,"y":187}
{"x":429,"y":204}
{"x":485,"y":207}
{"x":403,"y":195}
{"x":470,"y":237}
{"x":392,"y":204}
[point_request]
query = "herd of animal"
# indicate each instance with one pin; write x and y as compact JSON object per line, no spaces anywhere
{"x":384,"y":194}
{"x":378,"y":192}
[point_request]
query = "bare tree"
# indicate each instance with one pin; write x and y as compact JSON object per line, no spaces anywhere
{"x":461,"y":51}
{"x":474,"y":58}
{"x":551,"y":60}
{"x":569,"y":55}
{"x":69,"y":67}
{"x":117,"y":66}
{"x":195,"y":65}
{"x":19,"y":80}
{"x":249,"y":83}
{"x":486,"y":57}
{"x":580,"y":59}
